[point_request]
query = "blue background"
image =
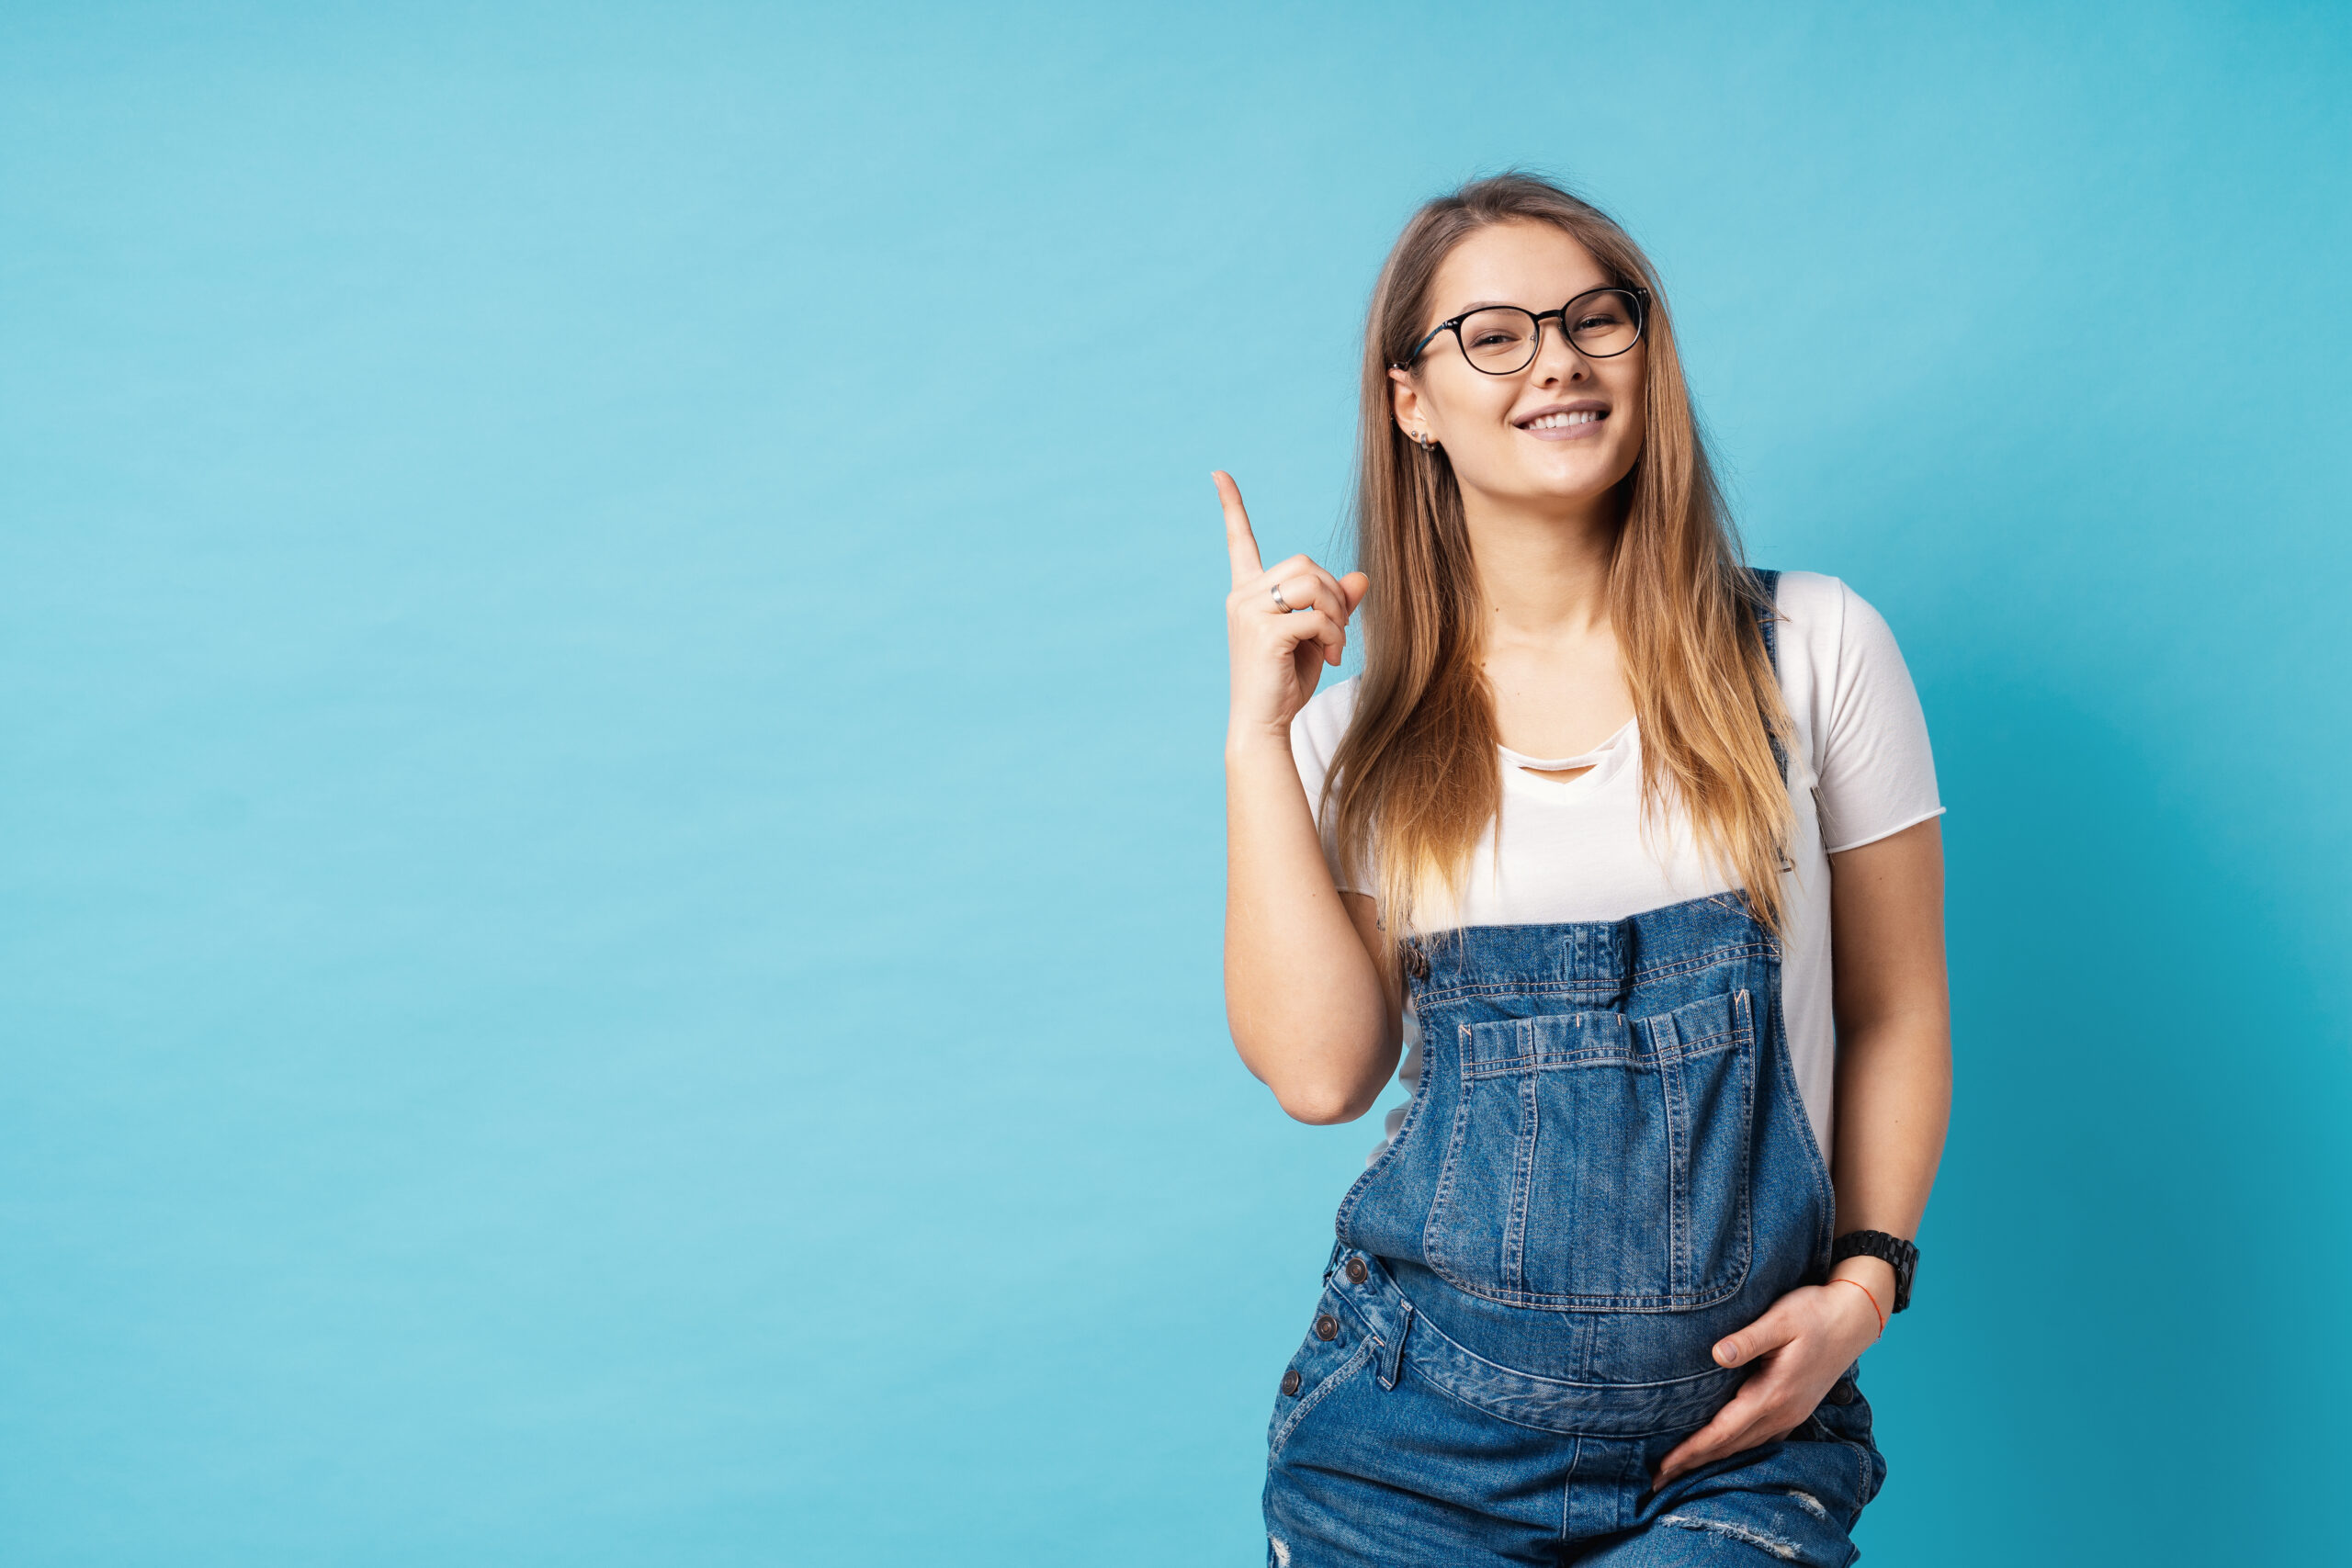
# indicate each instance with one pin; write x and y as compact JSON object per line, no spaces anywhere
{"x":612,"y":674}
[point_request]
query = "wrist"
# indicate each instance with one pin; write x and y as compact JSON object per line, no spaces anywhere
{"x":1874,"y":1274}
{"x":1247,"y":743}
{"x":1861,"y":1298}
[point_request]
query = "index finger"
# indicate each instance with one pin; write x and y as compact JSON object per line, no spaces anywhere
{"x":1732,"y":1431}
{"x":1240,"y":541}
{"x":1701,"y":1447}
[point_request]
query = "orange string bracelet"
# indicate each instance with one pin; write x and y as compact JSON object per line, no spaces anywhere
{"x":1841,"y":1279}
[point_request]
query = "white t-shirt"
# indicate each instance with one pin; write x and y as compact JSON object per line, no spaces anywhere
{"x":1860,"y":768}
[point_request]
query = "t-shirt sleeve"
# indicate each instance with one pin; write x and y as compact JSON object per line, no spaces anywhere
{"x":1877,"y":773}
{"x":1315,"y":734}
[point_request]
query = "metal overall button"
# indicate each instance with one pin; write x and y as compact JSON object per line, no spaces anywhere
{"x":1356,"y":1271}
{"x":1327,"y":1327}
{"x":1290,"y":1383}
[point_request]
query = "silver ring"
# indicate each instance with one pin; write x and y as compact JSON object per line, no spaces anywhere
{"x":1280,"y":603}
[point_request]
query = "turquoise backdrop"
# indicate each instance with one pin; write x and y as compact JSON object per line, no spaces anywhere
{"x":612,"y":677}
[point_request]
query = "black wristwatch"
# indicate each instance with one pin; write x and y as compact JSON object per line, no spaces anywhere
{"x":1892,"y":1250}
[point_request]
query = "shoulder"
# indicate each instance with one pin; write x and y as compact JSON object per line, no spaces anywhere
{"x":1812,"y":603}
{"x":1829,"y":620}
{"x":1857,"y":711}
{"x":1325,"y":717}
{"x":1315,"y":729}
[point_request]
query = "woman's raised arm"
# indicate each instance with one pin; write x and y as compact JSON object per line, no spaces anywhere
{"x":1310,"y":991}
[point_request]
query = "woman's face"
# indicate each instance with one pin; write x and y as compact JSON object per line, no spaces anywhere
{"x":1560,"y":434}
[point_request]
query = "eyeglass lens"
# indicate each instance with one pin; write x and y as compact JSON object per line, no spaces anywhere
{"x":1504,"y":338}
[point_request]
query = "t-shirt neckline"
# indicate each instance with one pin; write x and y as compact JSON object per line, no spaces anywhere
{"x":1562,"y":764}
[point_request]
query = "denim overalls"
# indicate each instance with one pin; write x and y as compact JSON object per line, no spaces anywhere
{"x":1604,"y":1169}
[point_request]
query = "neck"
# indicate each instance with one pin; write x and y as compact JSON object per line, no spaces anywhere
{"x":1541,"y":574}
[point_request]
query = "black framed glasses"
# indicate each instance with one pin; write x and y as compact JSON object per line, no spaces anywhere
{"x":1503,"y":339}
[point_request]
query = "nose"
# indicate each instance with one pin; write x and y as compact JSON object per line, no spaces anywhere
{"x":1556,"y":359}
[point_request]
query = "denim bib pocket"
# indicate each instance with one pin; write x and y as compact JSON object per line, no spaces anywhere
{"x":1600,"y":1162}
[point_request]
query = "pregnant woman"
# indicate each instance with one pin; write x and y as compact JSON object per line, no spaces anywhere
{"x":1631,"y":851}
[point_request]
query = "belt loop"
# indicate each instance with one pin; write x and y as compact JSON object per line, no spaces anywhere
{"x":1390,"y":1364}
{"x":1664,"y":1037}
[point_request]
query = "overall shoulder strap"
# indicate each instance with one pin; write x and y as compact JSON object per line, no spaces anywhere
{"x":1770,"y":582}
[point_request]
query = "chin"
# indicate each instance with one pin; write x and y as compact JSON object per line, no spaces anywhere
{"x":1578,"y":490}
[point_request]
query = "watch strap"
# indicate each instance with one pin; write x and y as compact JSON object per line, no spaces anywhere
{"x":1892,"y":1250}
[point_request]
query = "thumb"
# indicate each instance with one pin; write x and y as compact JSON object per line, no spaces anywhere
{"x":1766,"y":1334}
{"x":1355,"y":585}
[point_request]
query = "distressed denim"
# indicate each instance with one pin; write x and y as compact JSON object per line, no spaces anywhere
{"x":1404,"y":1447}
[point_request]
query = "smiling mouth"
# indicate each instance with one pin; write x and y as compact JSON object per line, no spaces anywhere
{"x":1566,"y":420}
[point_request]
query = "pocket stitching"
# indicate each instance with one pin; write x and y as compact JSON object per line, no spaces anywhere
{"x":1315,"y":1396}
{"x":1741,"y":1029}
{"x":1432,"y":1247}
{"x":1522,"y":1185}
{"x":1363,"y":1184}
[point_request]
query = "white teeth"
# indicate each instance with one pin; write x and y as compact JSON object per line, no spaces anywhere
{"x":1562,"y":420}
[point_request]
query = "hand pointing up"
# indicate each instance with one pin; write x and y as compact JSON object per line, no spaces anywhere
{"x":1283,"y":624}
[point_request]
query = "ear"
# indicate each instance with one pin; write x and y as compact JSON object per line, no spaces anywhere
{"x":1405,"y":401}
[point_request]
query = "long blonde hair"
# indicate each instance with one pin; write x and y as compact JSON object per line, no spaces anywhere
{"x":1417,"y":778}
